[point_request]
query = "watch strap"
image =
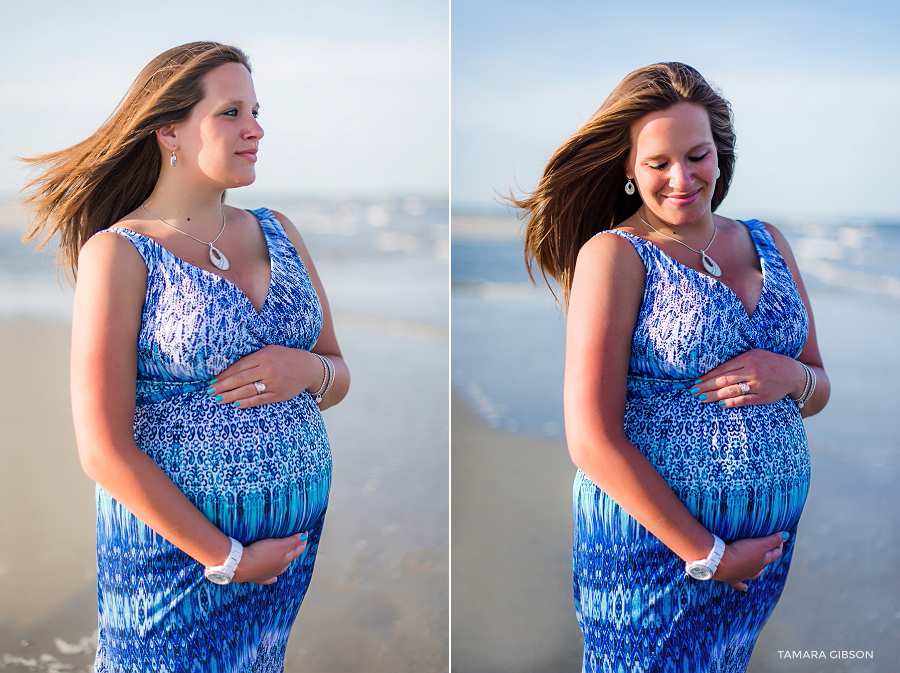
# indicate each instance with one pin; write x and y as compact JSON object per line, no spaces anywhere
{"x":226,"y":571}
{"x":710,"y":563}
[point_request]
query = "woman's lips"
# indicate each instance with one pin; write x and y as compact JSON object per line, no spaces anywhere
{"x":249,"y":155}
{"x":683,"y":199}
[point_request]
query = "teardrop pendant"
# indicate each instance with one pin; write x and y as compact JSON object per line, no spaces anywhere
{"x":220,"y":261}
{"x":710,"y":265}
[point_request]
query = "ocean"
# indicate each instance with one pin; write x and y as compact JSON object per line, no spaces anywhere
{"x":412,"y":231}
{"x":508,"y":337}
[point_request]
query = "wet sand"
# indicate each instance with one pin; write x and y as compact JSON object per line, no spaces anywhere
{"x":511,"y":494}
{"x":378,"y":601}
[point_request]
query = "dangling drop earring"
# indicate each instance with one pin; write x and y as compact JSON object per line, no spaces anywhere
{"x":718,"y":172}
{"x":172,"y":160}
{"x":629,"y":187}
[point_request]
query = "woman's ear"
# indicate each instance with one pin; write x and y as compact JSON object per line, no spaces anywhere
{"x":629,"y":164}
{"x":167,"y":138}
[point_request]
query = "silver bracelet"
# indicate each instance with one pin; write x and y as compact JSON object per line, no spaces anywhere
{"x":330,"y":365}
{"x":330,"y":373}
{"x":321,"y":391}
{"x":812,"y":387}
{"x":327,"y":381}
{"x":808,"y":387}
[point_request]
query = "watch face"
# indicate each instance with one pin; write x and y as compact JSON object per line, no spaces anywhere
{"x":217,"y":577}
{"x":700,"y":572}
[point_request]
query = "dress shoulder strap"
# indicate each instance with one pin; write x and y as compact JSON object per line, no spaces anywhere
{"x":279,"y":242}
{"x":643,"y":248}
{"x":269,"y":223}
{"x":143,"y":245}
{"x":769,"y":253}
{"x":762,"y":238}
{"x":273,"y":230}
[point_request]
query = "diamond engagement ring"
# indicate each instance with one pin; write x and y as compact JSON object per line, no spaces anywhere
{"x":744,"y":388}
{"x":260,"y":387}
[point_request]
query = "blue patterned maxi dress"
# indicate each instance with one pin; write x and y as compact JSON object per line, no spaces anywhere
{"x":743,"y":472}
{"x":255,"y":473}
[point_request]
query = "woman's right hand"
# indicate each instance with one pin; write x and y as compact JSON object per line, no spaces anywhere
{"x":746,"y":559}
{"x":264,"y":560}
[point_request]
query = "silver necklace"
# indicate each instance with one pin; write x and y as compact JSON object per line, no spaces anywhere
{"x":708,"y":263}
{"x":216,"y":256}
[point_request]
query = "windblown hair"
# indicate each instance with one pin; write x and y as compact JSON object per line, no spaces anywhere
{"x":91,"y":185}
{"x":582,"y":188}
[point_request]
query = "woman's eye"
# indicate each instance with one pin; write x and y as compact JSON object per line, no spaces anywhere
{"x":658,"y":167}
{"x":231,"y":113}
{"x":700,"y":158}
{"x":256,"y":114}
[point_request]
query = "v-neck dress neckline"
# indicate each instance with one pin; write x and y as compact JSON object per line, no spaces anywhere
{"x":690,"y":322}
{"x":759,"y":254}
{"x":176,"y":344}
{"x":206,"y":272}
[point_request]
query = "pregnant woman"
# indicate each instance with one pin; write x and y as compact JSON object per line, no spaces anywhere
{"x":202,"y":352}
{"x":691,"y":357}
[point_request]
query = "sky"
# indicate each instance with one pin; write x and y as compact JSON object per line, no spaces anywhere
{"x":814,"y":86}
{"x":354,"y":94}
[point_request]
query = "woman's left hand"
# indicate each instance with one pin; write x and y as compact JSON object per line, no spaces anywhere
{"x":766,"y":377}
{"x":281,"y":372}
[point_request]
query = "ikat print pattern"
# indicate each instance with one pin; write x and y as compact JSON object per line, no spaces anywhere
{"x":743,"y":472}
{"x":256,"y":473}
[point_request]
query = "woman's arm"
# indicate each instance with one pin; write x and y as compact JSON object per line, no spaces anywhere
{"x":771,"y":376}
{"x":106,"y":318}
{"x":287,"y":371}
{"x":810,"y":355}
{"x":607,"y":291}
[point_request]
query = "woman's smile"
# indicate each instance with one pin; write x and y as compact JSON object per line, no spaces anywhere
{"x":684,"y":199}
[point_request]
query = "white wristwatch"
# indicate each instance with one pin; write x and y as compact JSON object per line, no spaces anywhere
{"x":706,"y":568}
{"x":222,"y":574}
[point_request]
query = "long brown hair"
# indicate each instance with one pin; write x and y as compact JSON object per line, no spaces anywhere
{"x":91,"y":185}
{"x":582,"y":190}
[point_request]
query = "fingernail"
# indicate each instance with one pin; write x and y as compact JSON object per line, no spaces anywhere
{"x":721,"y":403}
{"x":210,"y":391}
{"x":213,"y":381}
{"x":698,"y":380}
{"x":218,"y":398}
{"x":704,"y":396}
{"x":235,"y":404}
{"x":693,"y":391}
{"x":304,"y":537}
{"x":785,"y":536}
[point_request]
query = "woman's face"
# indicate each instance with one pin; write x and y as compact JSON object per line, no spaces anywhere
{"x":673,"y":162}
{"x":218,"y":141}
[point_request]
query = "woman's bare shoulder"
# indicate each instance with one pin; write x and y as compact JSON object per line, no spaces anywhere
{"x":608,"y":265}
{"x":108,"y":253}
{"x":607,"y":248}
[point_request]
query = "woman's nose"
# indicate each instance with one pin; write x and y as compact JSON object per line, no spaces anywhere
{"x":679,"y":177}
{"x":254,"y":131}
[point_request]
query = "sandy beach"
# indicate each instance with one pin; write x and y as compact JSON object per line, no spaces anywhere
{"x":511,"y":494}
{"x":378,"y":601}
